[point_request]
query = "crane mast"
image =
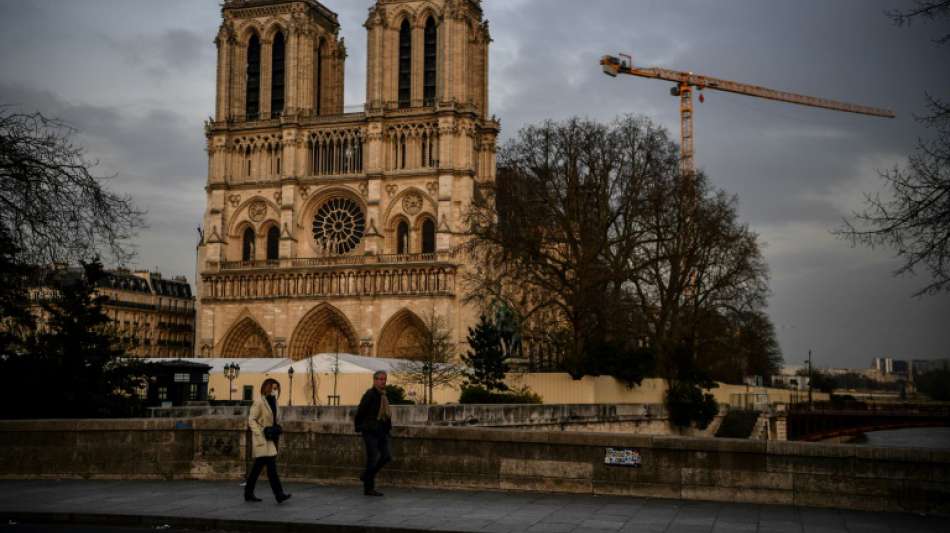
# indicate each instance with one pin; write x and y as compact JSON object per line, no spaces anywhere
{"x":687,"y":82}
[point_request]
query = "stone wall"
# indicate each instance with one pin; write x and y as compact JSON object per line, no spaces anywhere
{"x":492,"y":459}
{"x":648,"y":419}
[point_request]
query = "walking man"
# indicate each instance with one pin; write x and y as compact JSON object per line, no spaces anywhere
{"x":374,"y":421}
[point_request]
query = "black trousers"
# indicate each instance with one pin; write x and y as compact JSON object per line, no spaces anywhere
{"x":259,"y":464}
{"x":377,"y":456}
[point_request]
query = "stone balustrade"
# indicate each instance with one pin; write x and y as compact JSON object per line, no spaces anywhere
{"x":379,"y":280}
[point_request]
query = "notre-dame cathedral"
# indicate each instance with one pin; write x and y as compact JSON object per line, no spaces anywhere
{"x":328,"y":230}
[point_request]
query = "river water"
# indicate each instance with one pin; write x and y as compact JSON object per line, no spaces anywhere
{"x":937,"y":438}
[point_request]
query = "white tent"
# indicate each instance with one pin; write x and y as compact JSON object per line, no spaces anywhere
{"x":324,"y":363}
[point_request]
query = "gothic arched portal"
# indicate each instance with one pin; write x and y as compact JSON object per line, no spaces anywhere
{"x":246,"y":339}
{"x":401,"y":336}
{"x":323,"y":330}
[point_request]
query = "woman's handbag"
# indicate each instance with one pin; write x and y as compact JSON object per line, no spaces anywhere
{"x":273,"y":432}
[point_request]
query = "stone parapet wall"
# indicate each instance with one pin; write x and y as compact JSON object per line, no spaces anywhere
{"x":808,"y":474}
{"x":638,"y":419}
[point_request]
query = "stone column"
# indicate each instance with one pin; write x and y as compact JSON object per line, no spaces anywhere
{"x":418,"y":64}
{"x":375,"y":35}
{"x":239,"y":80}
{"x":292,"y":77}
{"x":223,"y":93}
{"x":373,"y":167}
{"x":267,"y":67}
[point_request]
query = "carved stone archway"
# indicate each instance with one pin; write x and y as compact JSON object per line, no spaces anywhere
{"x":246,"y":339}
{"x":401,"y":335}
{"x":323,"y":330}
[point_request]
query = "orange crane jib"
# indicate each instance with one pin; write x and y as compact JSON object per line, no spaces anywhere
{"x":687,"y":81}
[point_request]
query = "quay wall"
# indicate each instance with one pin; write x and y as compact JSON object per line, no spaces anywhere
{"x":790,"y":473}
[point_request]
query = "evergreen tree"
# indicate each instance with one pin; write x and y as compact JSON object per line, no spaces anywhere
{"x":16,"y":321}
{"x":76,"y":367}
{"x":487,"y":361}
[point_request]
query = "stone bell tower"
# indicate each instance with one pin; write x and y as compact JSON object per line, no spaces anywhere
{"x":332,"y":231}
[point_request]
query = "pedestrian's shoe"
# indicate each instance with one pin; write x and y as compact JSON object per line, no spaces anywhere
{"x":251,"y":498}
{"x":372,"y":492}
{"x":283,"y":497}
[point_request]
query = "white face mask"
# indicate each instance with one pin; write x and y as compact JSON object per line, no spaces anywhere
{"x":275,"y":393}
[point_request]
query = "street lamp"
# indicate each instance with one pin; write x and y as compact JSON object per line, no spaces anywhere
{"x":231,"y":371}
{"x":290,"y":374}
{"x":810,"y":406}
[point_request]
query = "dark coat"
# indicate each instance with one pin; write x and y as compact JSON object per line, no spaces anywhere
{"x":367,"y":414}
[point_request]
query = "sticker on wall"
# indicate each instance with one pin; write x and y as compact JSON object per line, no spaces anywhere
{"x":622,"y":457}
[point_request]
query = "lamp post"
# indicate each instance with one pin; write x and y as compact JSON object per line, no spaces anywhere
{"x":809,"y":380}
{"x":290,"y":374}
{"x":231,"y":371}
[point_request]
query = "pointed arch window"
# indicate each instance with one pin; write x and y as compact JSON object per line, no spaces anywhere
{"x":402,"y":238}
{"x":430,"y":68}
{"x":247,"y":248}
{"x":428,"y":236}
{"x":252,"y":97}
{"x":278,"y":57}
{"x":405,"y":64}
{"x":273,"y":244}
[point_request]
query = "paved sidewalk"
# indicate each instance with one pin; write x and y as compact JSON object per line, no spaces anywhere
{"x":219,"y":505}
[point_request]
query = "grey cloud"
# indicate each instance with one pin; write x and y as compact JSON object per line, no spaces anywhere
{"x":138,"y":79}
{"x":182,"y":48}
{"x":156,"y":143}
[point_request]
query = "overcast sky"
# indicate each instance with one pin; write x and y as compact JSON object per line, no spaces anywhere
{"x":137,"y":78}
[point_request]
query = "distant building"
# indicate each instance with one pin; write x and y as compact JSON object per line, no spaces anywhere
{"x":922,"y":366}
{"x":790,"y":381}
{"x":155,"y":315}
{"x":887,"y":366}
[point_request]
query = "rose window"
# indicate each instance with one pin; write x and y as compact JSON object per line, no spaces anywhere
{"x":338,"y":226}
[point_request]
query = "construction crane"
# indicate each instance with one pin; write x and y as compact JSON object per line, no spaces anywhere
{"x":686,"y":82}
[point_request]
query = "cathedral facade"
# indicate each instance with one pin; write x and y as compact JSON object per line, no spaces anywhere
{"x":333,"y":231}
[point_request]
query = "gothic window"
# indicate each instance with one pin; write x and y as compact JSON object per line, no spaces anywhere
{"x":428,"y":150}
{"x":424,"y":145}
{"x":318,"y":78}
{"x":277,"y":76}
{"x":338,"y":225}
{"x":402,"y":151}
{"x":337,"y":155}
{"x":428,"y":236}
{"x":247,"y":161}
{"x":253,"y":92}
{"x":402,"y":238}
{"x":405,"y":64}
{"x":273,"y":244}
{"x":429,"y":71}
{"x":247,"y":250}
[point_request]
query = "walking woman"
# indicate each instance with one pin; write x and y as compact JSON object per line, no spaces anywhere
{"x":265,"y":434}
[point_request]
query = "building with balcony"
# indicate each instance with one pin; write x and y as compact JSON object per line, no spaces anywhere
{"x":154,"y":316}
{"x":333,"y":231}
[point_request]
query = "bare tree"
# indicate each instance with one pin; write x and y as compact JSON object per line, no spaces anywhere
{"x":51,"y":204}
{"x":599,"y":243}
{"x":432,"y":361}
{"x":929,"y":10}
{"x":554,"y":232}
{"x":313,"y":382}
{"x":913,"y":217}
{"x":700,"y":262}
